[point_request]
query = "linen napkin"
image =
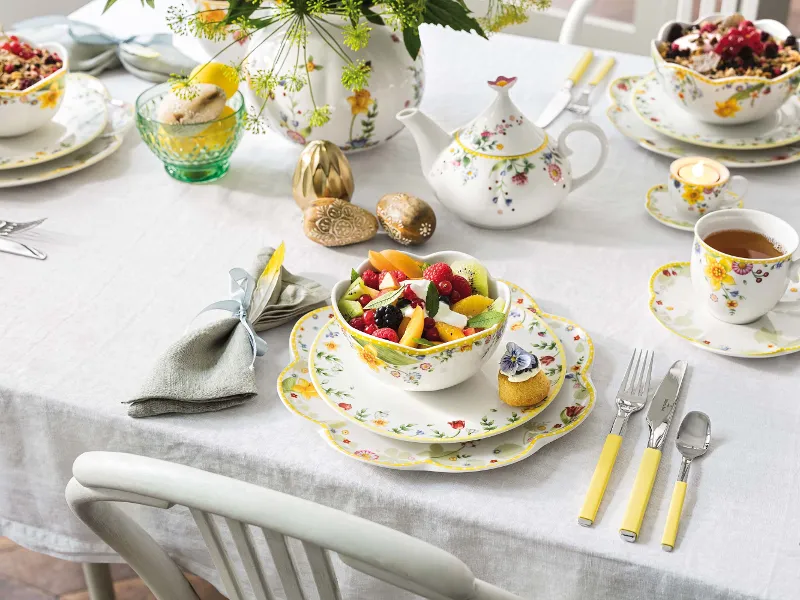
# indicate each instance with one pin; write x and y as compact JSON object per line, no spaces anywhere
{"x":212,"y":367}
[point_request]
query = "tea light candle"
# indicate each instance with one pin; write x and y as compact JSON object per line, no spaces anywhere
{"x":702,"y":172}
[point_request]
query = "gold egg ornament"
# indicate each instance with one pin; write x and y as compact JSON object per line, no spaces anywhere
{"x":322,"y":171}
{"x":407,"y":219}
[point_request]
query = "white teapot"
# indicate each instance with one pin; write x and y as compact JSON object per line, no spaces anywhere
{"x":500,"y":170}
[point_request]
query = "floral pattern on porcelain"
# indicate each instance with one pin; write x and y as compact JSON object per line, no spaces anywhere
{"x":696,"y":198}
{"x":575,"y":402}
{"x":623,"y":117}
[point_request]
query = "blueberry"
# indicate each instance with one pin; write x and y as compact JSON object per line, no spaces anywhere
{"x":791,"y":41}
{"x":764,"y":36}
{"x":675,"y":32}
{"x":402,"y":303}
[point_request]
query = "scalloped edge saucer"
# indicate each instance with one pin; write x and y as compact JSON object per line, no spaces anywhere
{"x":656,"y":208}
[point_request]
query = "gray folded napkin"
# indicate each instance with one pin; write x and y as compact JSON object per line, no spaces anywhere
{"x":91,"y":50}
{"x":211,"y":367}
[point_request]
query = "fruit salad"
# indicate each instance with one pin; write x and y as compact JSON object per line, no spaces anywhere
{"x":22,"y":65}
{"x":420,"y":305}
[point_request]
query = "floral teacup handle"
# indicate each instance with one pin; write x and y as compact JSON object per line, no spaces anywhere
{"x":734,"y":192}
{"x":565,"y":150}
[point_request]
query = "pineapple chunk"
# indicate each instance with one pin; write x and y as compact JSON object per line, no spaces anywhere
{"x":448,"y":333}
{"x":472,"y":305}
{"x":414,"y":328}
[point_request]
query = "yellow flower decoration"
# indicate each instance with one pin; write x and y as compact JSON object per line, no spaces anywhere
{"x":331,"y":346}
{"x":305,"y":388}
{"x":718,"y":272}
{"x":369,"y":356}
{"x":692,"y":194}
{"x":680,"y":75}
{"x":727,"y":109}
{"x":49,"y":99}
{"x":380,"y":422}
{"x":360,"y":101}
{"x":732,"y":303}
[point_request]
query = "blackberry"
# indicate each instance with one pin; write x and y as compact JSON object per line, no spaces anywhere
{"x":764,"y":36}
{"x":686,"y":53}
{"x":388,"y":316}
{"x":771,"y":50}
{"x":675,"y":32}
{"x":791,"y":41}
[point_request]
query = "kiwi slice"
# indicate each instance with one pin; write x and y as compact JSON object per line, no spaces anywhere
{"x":475,"y":273}
{"x":356,"y":290}
{"x":350,"y":309}
{"x":497,"y":306}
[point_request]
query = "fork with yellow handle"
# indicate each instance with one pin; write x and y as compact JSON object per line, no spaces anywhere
{"x":631,"y":397}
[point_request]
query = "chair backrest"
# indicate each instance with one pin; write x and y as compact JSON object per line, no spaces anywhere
{"x":576,"y":26}
{"x":103,"y":479}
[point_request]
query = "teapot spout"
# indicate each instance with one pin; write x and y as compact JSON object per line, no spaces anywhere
{"x":431,"y":138}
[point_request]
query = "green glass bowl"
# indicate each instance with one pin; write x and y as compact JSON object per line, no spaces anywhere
{"x":193,"y":153}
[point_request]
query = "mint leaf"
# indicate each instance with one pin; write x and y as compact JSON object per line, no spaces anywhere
{"x":486,"y":319}
{"x":385,"y":300}
{"x":412,"y":41}
{"x":423,"y":342}
{"x":432,"y":300}
{"x":353,"y":275}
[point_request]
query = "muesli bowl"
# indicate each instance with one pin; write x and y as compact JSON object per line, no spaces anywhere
{"x":731,"y":100}
{"x":23,"y":111}
{"x":454,"y":361}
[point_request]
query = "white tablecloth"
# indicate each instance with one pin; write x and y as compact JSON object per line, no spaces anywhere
{"x":134,"y":255}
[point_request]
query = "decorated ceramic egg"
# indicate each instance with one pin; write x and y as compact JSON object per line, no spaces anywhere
{"x":322,"y":171}
{"x":334,"y":222}
{"x":407,"y":219}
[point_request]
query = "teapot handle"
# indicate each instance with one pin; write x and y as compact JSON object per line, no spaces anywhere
{"x":565,"y":150}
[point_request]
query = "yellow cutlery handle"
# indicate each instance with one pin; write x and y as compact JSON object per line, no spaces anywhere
{"x":581,"y":67}
{"x":640,"y":496}
{"x":602,"y":71}
{"x":674,"y":516}
{"x":602,"y":472}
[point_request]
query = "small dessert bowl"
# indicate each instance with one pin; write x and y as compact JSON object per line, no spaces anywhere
{"x":197,"y":152}
{"x":424,"y":369}
{"x":728,"y":100}
{"x":23,"y":111}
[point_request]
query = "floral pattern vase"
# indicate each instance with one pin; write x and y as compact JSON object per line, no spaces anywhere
{"x":358,"y":120}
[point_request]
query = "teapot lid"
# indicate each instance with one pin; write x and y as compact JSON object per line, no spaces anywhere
{"x":501,"y":130}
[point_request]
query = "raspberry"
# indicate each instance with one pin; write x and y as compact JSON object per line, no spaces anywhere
{"x":399,"y":276}
{"x":461,"y":285}
{"x":708,"y":27}
{"x":417,"y":302}
{"x":358,"y":323}
{"x":430,"y":323}
{"x":364,"y":299}
{"x":409,"y":294}
{"x":454,"y":297}
{"x":370,"y":279}
{"x":369,"y":317}
{"x":444,"y":287}
{"x":438,"y":272}
{"x":370,"y":329}
{"x":431,"y":334}
{"x":385,"y":333}
{"x":9,"y":68}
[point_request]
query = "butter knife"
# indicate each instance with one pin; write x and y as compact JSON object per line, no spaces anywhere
{"x":659,"y":417}
{"x":20,"y":249}
{"x":564,"y":96}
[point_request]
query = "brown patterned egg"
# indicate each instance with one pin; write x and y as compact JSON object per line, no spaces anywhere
{"x":334,"y":222}
{"x":322,"y":171}
{"x":407,"y":219}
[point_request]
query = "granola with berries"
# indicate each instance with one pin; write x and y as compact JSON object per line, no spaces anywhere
{"x":730,"y":46}
{"x":22,"y":65}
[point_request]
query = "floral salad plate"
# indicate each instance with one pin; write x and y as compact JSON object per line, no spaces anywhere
{"x":81,"y":119}
{"x":628,"y":123}
{"x":565,"y":413}
{"x":661,"y":207}
{"x":468,"y":411}
{"x":657,"y":110}
{"x":672,"y":302}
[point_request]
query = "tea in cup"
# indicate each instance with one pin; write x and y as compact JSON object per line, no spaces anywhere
{"x":742,"y":263}
{"x":700,"y":185}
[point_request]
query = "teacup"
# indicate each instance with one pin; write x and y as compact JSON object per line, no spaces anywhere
{"x":695,"y":200}
{"x":741,"y":290}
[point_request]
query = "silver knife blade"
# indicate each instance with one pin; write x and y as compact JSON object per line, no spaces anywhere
{"x":20,"y":249}
{"x":663,"y":404}
{"x":556,"y":106}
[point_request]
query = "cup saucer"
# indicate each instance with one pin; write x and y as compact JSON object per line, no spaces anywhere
{"x":659,"y":206}
{"x":672,"y":303}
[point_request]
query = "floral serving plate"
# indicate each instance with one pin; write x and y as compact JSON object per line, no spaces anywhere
{"x":657,"y":110}
{"x":672,"y":302}
{"x":471,"y":410}
{"x":622,"y":116}
{"x":660,"y":206}
{"x":81,"y":119}
{"x":567,"y":411}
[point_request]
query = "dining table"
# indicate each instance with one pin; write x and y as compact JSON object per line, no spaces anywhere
{"x":134,"y":256}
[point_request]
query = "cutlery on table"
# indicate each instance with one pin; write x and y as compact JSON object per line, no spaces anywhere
{"x":12,"y":247}
{"x":659,"y":417}
{"x":694,"y":436}
{"x":564,"y":96}
{"x":631,"y":397}
{"x":9,"y":227}
{"x":581,"y":105}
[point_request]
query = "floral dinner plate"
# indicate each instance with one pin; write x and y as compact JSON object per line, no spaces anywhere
{"x":567,"y":411}
{"x":657,"y":110}
{"x":622,"y":116}
{"x":469,"y":411}
{"x":660,"y":206}
{"x":672,"y":304}
{"x":81,"y":118}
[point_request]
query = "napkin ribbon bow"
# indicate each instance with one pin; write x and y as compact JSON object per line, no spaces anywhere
{"x":242,"y":287}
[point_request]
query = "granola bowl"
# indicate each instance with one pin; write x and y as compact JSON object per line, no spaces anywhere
{"x":738,"y":94}
{"x":24,"y":110}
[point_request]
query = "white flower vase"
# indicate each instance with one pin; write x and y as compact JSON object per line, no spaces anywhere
{"x":358,"y":120}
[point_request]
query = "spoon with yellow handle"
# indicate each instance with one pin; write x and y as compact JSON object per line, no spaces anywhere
{"x":694,"y":436}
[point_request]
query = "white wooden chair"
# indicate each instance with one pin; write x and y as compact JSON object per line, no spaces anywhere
{"x":103,"y":479}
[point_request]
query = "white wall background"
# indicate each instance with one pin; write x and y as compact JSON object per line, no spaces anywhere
{"x":12,"y":11}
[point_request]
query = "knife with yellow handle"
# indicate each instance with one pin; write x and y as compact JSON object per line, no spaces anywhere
{"x":659,"y":417}
{"x":563,"y":97}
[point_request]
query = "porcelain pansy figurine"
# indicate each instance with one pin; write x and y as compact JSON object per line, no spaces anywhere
{"x":500,"y":170}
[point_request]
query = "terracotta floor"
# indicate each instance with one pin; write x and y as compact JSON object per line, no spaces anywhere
{"x":26,"y":575}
